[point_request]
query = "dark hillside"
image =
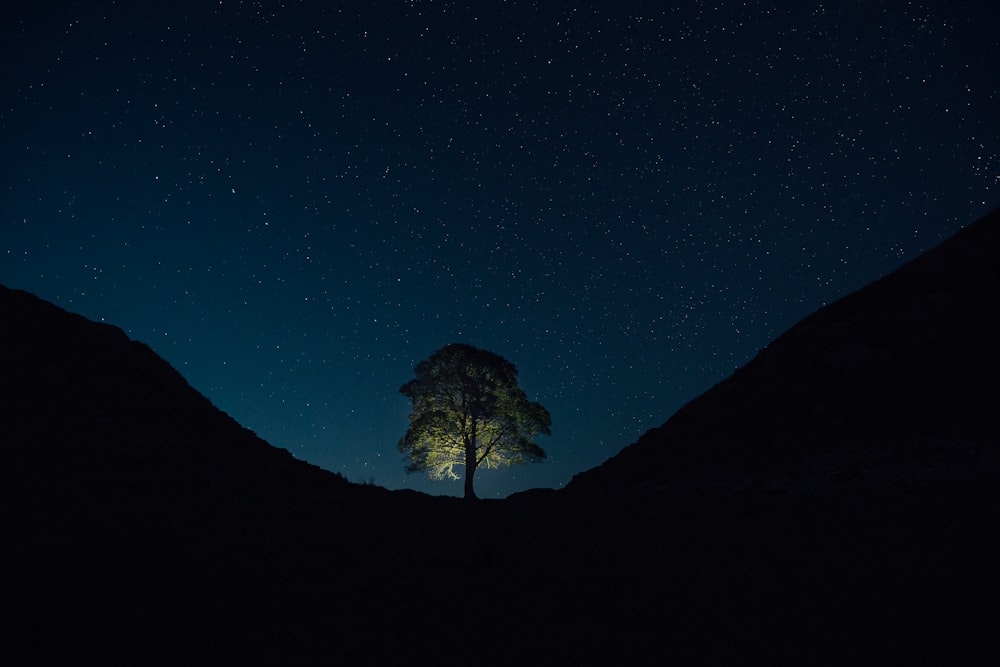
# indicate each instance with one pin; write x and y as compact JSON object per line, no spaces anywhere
{"x":896,"y":383}
{"x":834,"y":502}
{"x":140,"y":521}
{"x":82,"y":404}
{"x":842,"y":489}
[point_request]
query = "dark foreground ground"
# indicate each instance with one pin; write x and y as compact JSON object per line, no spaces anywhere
{"x":378,"y":578}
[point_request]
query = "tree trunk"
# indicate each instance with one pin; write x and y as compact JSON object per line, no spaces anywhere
{"x":470,"y":464}
{"x":469,"y":493}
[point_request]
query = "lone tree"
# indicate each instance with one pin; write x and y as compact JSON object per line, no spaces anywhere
{"x":468,"y":411}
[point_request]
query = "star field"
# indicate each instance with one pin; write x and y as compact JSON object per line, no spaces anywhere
{"x":296,"y":202}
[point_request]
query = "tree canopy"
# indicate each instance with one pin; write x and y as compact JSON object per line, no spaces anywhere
{"x":468,"y":410}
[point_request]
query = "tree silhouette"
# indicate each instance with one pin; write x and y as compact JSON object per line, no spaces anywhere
{"x":469,"y":411}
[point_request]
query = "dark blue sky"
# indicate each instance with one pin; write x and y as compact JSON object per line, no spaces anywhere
{"x":296,"y":202}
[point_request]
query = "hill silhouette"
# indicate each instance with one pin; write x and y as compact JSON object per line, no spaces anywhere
{"x":834,"y":500}
{"x":897,"y":382}
{"x":138,"y":515}
{"x":99,"y":408}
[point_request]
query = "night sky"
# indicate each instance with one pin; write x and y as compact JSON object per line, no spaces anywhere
{"x":296,"y":202}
